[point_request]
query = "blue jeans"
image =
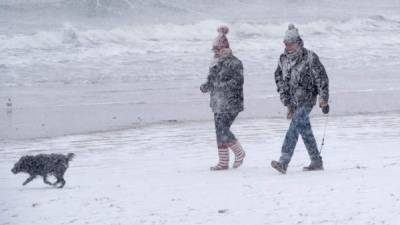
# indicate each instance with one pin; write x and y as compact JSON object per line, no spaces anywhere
{"x":300,"y":125}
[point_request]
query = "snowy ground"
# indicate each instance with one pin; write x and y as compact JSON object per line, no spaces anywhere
{"x":159,"y":175}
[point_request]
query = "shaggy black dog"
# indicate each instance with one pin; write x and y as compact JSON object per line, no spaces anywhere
{"x":44,"y":165}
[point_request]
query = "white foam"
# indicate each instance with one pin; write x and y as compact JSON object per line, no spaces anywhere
{"x":347,"y":35}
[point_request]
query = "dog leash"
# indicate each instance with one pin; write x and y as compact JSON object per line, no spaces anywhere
{"x":323,"y":137}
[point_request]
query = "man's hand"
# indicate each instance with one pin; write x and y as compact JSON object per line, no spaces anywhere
{"x":323,"y":103}
{"x":324,"y":106}
{"x":290,"y":112}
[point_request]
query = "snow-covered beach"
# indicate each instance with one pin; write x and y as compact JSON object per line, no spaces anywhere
{"x":127,"y":177}
{"x":117,"y":83}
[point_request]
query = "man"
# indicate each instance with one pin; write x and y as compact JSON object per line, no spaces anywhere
{"x":225,"y":84}
{"x":300,"y":77}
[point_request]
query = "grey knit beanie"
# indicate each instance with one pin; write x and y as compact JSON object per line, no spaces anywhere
{"x":291,"y":35}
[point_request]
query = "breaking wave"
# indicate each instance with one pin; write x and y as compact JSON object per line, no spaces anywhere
{"x":108,"y":35}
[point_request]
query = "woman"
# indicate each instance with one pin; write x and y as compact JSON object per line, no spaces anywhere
{"x":225,"y":85}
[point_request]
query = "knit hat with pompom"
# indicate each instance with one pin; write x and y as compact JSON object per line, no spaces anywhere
{"x":221,"y":41}
{"x":292,"y":35}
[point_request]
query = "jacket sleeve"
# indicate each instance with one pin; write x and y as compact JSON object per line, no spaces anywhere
{"x":321,"y":78}
{"x":282,"y":87}
{"x":208,"y":85}
{"x":237,"y":80}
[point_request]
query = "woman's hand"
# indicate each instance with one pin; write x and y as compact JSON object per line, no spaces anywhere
{"x":204,"y":88}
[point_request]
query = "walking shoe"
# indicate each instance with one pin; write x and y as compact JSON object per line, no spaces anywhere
{"x":314,"y":165}
{"x":280,"y":167}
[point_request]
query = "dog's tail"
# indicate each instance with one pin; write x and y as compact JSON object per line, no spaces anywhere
{"x":70,"y":156}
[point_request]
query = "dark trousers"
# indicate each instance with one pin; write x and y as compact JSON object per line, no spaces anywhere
{"x":223,"y":122}
{"x":300,"y":125}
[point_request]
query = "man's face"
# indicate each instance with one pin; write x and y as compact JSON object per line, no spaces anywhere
{"x":291,"y":47}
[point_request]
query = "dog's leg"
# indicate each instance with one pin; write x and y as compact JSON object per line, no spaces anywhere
{"x":62,"y":183}
{"x":46,"y":181}
{"x":60,"y":180}
{"x":60,"y":177}
{"x":29,"y":179}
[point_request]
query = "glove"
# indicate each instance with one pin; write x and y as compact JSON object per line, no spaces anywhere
{"x":325,"y":109}
{"x":324,"y":106}
{"x":204,"y":88}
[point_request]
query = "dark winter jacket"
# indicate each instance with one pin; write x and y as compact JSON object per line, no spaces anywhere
{"x":301,"y":78}
{"x":225,"y":84}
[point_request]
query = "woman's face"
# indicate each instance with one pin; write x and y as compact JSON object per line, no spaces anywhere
{"x":291,"y":47}
{"x":216,"y":52}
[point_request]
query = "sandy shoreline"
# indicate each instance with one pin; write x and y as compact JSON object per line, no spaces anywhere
{"x":52,"y":110}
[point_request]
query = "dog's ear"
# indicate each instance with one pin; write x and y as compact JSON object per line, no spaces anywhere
{"x":25,"y":161}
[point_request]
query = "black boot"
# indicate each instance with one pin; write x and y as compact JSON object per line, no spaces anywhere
{"x":314,"y":165}
{"x":280,"y":167}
